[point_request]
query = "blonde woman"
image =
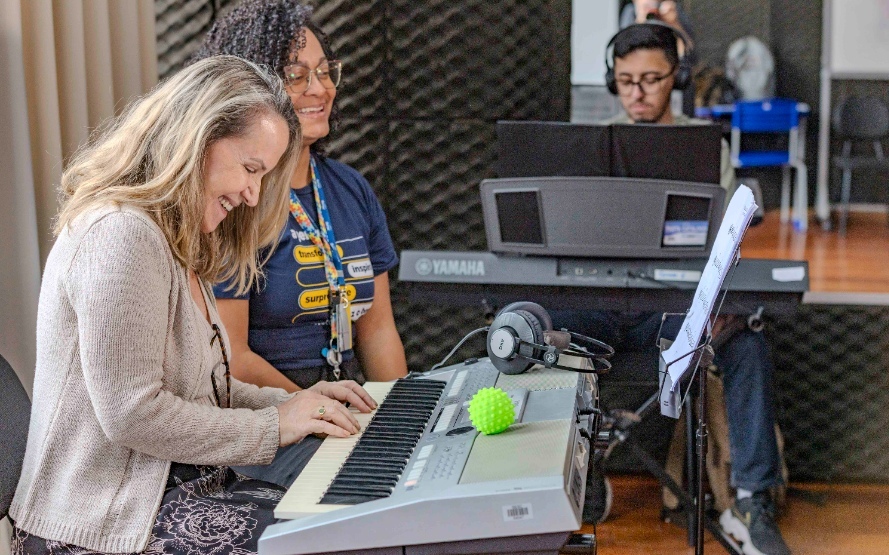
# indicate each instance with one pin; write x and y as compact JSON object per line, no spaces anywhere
{"x":135,"y":415}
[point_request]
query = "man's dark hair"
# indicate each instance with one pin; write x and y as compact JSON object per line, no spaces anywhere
{"x":270,"y":33}
{"x":647,"y":36}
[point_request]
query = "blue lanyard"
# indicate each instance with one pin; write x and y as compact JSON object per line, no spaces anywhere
{"x":324,"y":238}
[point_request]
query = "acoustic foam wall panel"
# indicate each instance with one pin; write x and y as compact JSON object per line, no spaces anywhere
{"x":424,"y":83}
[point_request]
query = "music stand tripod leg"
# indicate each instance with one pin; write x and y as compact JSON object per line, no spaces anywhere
{"x":623,"y":434}
{"x":701,"y":444}
{"x":691,"y":472}
{"x":697,"y":517}
{"x":687,"y":501}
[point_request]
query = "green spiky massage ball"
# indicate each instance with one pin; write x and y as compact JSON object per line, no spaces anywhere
{"x":491,"y":410}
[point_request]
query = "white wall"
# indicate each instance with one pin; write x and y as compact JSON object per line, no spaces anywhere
{"x":593,"y":23}
{"x":859,"y":38}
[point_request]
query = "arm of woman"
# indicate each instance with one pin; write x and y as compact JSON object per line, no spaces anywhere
{"x":119,"y":287}
{"x":671,"y":14}
{"x":247,"y":366}
{"x":667,"y":11}
{"x":378,"y":345}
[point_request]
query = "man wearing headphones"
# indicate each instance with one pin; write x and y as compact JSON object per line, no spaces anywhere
{"x":643,"y":67}
{"x":649,"y":68}
{"x":671,"y":13}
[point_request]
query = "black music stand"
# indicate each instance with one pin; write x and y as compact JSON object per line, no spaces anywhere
{"x":696,"y":452}
{"x":696,"y":445}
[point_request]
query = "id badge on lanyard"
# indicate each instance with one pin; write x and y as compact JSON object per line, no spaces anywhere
{"x":340,"y":331}
{"x":341,"y":319}
{"x":324,"y":239}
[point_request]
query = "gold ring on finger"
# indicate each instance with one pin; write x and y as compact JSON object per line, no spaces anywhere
{"x":321,"y":410}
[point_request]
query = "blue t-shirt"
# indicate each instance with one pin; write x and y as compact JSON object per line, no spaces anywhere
{"x":289,"y":321}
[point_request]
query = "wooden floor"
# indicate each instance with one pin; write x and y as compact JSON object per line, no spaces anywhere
{"x":854,"y":520}
{"x":856,"y":263}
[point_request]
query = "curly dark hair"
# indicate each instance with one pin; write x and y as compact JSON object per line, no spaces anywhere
{"x":270,"y":33}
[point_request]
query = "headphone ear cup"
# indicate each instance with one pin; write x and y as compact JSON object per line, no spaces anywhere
{"x":504,"y":350}
{"x":536,"y":336}
{"x":543,"y":318}
{"x":683,"y":74}
{"x":610,"y":82}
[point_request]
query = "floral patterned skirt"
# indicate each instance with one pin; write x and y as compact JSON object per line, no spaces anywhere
{"x":206,"y":510}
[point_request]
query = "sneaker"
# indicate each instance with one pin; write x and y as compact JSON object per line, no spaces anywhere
{"x":598,"y":498}
{"x":752,"y":522}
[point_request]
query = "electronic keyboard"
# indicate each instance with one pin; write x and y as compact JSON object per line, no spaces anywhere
{"x":419,"y":478}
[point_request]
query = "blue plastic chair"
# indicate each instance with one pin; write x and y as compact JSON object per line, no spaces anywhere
{"x":774,"y":116}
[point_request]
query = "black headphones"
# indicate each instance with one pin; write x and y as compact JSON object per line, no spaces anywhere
{"x":683,"y":71}
{"x":521,"y":335}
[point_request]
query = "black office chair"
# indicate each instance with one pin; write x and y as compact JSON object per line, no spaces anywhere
{"x":13,"y":432}
{"x":859,"y":118}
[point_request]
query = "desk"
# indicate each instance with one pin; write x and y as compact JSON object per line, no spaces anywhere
{"x":471,"y":278}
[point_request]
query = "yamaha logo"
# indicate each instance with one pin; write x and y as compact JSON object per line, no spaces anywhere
{"x":440,"y":267}
{"x":549,"y":358}
{"x":423,"y":266}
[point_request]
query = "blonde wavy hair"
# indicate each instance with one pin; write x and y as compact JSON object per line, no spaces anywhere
{"x":152,"y":157}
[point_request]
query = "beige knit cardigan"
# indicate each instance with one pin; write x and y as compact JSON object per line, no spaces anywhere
{"x":122,"y":387}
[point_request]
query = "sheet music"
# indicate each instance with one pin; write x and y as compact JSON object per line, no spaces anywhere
{"x":728,"y":239}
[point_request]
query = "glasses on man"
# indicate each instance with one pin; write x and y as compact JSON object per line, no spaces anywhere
{"x":217,"y":336}
{"x":649,"y":83}
{"x":298,"y":78}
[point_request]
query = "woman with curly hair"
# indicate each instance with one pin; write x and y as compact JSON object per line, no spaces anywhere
{"x":322,"y":313}
{"x":134,"y":413}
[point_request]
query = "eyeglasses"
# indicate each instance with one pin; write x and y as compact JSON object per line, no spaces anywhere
{"x":648,"y":83}
{"x":298,"y":78}
{"x":217,"y":335}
